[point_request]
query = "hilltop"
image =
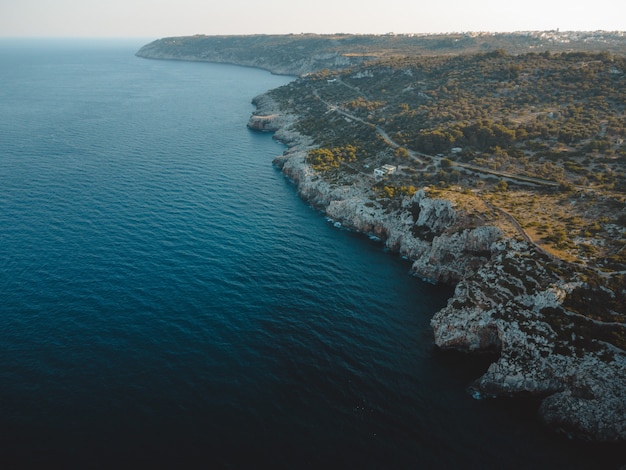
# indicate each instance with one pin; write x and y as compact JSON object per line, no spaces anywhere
{"x":495,"y":162}
{"x":299,"y":54}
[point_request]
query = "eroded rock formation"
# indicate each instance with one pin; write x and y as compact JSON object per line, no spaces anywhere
{"x":508,"y":297}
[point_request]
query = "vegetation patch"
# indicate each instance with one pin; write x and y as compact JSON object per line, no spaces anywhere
{"x":325,"y":159}
{"x":532,"y":143}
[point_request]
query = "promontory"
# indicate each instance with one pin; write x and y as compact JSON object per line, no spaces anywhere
{"x":496,"y":163}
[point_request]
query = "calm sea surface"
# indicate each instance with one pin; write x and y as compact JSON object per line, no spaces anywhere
{"x":166,"y":298}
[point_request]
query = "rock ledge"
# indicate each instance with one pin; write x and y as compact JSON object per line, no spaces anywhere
{"x":507,"y":297}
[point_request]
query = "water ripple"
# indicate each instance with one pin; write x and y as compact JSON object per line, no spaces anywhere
{"x":166,"y":297}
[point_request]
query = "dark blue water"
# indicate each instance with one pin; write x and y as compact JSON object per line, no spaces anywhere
{"x":166,"y":299}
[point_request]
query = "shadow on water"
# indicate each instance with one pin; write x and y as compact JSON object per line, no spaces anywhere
{"x":464,"y":367}
{"x":519,"y":424}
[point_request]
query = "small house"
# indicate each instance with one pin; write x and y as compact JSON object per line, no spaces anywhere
{"x":385,"y":170}
{"x":390,"y":169}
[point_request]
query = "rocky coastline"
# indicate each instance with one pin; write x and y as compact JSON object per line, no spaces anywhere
{"x":509,"y":297}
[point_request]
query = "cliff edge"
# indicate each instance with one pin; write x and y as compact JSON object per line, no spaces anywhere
{"x":421,"y":147}
{"x":509,"y":296}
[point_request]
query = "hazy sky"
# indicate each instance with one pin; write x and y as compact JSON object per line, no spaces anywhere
{"x":160,"y":18}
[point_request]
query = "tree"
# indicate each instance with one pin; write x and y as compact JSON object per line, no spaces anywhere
{"x":401,"y":152}
{"x":446,"y":163}
{"x":502,"y":186}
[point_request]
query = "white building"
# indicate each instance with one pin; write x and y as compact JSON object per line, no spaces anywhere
{"x":390,"y":169}
{"x":385,"y":170}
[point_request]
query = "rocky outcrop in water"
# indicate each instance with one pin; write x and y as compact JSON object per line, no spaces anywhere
{"x":509,"y":297}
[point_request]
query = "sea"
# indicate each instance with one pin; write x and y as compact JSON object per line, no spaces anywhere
{"x":167,"y":300}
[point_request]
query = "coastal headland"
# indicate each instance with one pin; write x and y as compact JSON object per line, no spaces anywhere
{"x":495,"y":163}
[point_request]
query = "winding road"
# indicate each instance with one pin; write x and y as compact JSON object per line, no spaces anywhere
{"x":419,"y":158}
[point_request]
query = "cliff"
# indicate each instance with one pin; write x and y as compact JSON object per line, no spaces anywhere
{"x":514,"y":303}
{"x":509,"y":297}
{"x":557,"y":321}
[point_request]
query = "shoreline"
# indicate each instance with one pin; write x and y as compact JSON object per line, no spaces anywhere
{"x":505,"y":290}
{"x":509,"y":296}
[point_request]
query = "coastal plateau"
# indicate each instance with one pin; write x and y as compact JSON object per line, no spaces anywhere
{"x":550,"y":304}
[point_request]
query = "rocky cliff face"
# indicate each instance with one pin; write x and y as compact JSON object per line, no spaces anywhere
{"x":513,"y":304}
{"x":508,"y":297}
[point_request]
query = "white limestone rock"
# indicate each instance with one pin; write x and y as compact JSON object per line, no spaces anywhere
{"x":500,"y":302}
